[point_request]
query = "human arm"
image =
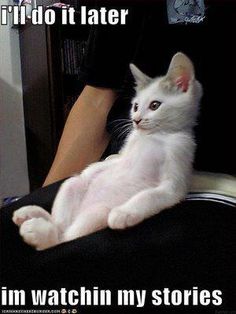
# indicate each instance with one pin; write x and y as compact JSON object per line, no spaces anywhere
{"x":84,"y":138}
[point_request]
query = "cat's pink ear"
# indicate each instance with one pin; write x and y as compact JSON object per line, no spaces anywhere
{"x":181,"y":71}
{"x":141,"y":79}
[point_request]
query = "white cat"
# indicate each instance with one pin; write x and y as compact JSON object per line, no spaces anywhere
{"x":150,"y":174}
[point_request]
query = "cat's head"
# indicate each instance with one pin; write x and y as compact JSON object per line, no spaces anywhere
{"x":168,"y":103}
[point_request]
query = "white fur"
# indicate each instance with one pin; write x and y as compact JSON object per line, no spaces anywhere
{"x":150,"y":174}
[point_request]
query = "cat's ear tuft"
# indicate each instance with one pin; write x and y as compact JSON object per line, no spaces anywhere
{"x":181,"y":71}
{"x":141,"y":79}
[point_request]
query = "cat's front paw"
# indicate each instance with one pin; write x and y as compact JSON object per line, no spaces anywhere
{"x":121,"y":219}
{"x":28,"y":212}
{"x":39,"y":233}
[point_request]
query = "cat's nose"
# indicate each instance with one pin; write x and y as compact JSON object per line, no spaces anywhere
{"x":137,"y":121}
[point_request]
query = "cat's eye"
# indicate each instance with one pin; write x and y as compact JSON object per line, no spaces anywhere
{"x":135,"y":107}
{"x":154,"y":105}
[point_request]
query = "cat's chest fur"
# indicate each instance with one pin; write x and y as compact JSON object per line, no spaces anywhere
{"x":139,"y":166}
{"x":144,"y":155}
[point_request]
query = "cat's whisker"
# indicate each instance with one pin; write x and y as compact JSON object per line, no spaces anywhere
{"x":119,"y":121}
{"x":125,"y":132}
{"x":124,"y":127}
{"x":121,"y":128}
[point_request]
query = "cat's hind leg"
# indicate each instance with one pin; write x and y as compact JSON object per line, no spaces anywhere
{"x":28,"y":212}
{"x":39,"y":233}
{"x":89,"y":221}
{"x":42,"y":230}
{"x":67,"y":202}
{"x":36,"y":227}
